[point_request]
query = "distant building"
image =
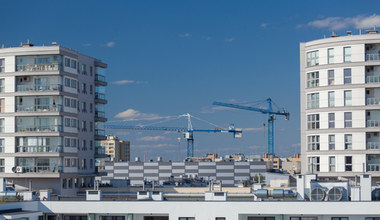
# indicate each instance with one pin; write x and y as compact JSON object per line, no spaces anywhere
{"x":117,"y":150}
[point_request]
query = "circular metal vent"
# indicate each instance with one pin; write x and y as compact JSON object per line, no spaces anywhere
{"x":335,"y":194}
{"x":318,"y":194}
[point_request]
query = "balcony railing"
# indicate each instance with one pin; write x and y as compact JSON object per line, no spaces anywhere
{"x":99,"y":77}
{"x":39,"y":108}
{"x":373,"y":123}
{"x":373,"y":101}
{"x":100,"y":132}
{"x":36,"y":128}
{"x":39,"y":149}
{"x":373,"y":145}
{"x":99,"y":95}
{"x":373,"y":167}
{"x":35,"y":87}
{"x":42,"y":169}
{"x":100,"y":114}
{"x":373,"y":79}
{"x":372,"y":56}
{"x":100,"y":150}
{"x":38,"y":67}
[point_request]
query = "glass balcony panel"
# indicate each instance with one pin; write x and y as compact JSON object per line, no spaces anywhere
{"x":38,"y":63}
{"x":100,"y":132}
{"x":373,"y":145}
{"x":41,"y":88}
{"x":40,"y":165}
{"x":372,"y":79}
{"x":100,"y":114}
{"x":39,"y":124}
{"x":373,"y":101}
{"x":100,"y":95}
{"x":372,"y":56}
{"x":39,"y":149}
{"x":373,"y":167}
{"x":39,"y":108}
{"x":373,"y":123}
{"x":99,"y":77}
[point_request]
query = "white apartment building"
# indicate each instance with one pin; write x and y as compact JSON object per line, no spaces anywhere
{"x":340,"y":105}
{"x":51,"y":117}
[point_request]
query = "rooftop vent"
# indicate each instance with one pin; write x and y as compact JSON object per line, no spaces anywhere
{"x":54,"y":43}
{"x":349,"y":33}
{"x":374,"y":31}
{"x":27,"y":44}
{"x":333,"y":34}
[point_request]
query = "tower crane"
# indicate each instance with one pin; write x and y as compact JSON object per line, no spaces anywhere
{"x":188,"y":132}
{"x":271,"y":117}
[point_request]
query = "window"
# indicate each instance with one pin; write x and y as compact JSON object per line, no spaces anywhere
{"x":347,"y":54}
{"x":84,"y":69}
{"x":91,"y":165}
{"x":331,"y":77}
{"x":67,"y":102}
{"x":91,"y":107}
{"x":73,"y":103}
{"x":91,"y":125}
{"x":372,"y":218}
{"x":331,"y":99}
{"x":2,"y":65}
{"x":73,"y":123}
{"x":2,"y":105}
{"x":67,"y":82}
{"x":73,"y":84}
{"x":2,"y":165}
{"x":347,"y":76}
{"x":84,"y":145}
{"x":2,"y":148}
{"x":347,"y":98}
{"x":84,"y":107}
{"x":67,"y":62}
{"x":348,"y":141}
{"x":330,"y":54}
{"x":331,"y":142}
{"x":313,"y":100}
{"x":84,"y":164}
{"x":67,"y":142}
{"x":220,"y":218}
{"x":313,"y":164}
{"x":348,"y":163}
{"x":84,"y":88}
{"x":312,"y":79}
{"x":91,"y":145}
{"x":313,"y":121}
{"x":2,"y":126}
{"x":73,"y":162}
{"x":64,"y":182}
{"x":67,"y":162}
{"x":91,"y":70}
{"x":331,"y":120}
{"x":2,"y":85}
{"x":348,"y":119}
{"x":67,"y":122}
{"x":186,"y":218}
{"x":84,"y":126}
{"x":73,"y":143}
{"x":73,"y":64}
{"x":90,"y":89}
{"x":332,"y":164}
{"x":313,"y":58}
{"x":313,"y":142}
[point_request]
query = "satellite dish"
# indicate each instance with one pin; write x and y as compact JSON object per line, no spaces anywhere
{"x":335,"y":194}
{"x":14,"y":169}
{"x":318,"y":194}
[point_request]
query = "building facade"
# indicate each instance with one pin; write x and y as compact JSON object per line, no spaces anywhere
{"x":340,"y":105}
{"x":51,"y":117}
{"x":116,"y":149}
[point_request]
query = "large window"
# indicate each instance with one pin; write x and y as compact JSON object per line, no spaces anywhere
{"x":2,"y":65}
{"x":2,"y":125}
{"x":348,"y":119}
{"x":38,"y":63}
{"x":2,"y":105}
{"x":2,"y":147}
{"x":312,"y":79}
{"x":339,"y":218}
{"x":331,"y":142}
{"x":313,"y":164}
{"x":313,"y":121}
{"x":331,"y":99}
{"x":347,"y":76}
{"x":331,"y":120}
{"x":313,"y":142}
{"x":332,"y":164}
{"x":348,"y":141}
{"x":2,"y":165}
{"x":347,"y":98}
{"x":331,"y":77}
{"x":2,"y":85}
{"x":348,"y":163}
{"x":186,"y":218}
{"x":330,"y":54}
{"x":313,"y":58}
{"x":313,"y":100}
{"x":347,"y":54}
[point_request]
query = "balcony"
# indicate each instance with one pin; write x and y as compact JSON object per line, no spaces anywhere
{"x":38,"y":88}
{"x":373,"y":145}
{"x":373,"y":167}
{"x":372,"y":79}
{"x":39,"y":128}
{"x":100,"y":98}
{"x":42,"y":169}
{"x":373,"y":101}
{"x":39,"y":108}
{"x":373,"y":123}
{"x":100,"y":116}
{"x":372,"y":57}
{"x":100,"y":80}
{"x":38,"y":67}
{"x":39,"y":149}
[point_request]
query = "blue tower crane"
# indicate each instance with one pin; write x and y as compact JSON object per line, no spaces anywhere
{"x":188,"y":132}
{"x":271,"y":117}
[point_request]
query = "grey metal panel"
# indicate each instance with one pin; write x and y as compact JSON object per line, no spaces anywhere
{"x":206,"y":167}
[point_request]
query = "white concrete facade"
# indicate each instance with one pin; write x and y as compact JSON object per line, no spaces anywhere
{"x":48,"y":116}
{"x":340,"y":111}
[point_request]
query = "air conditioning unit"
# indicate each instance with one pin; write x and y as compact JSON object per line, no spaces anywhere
{"x":19,"y":169}
{"x":332,"y":191}
{"x":318,"y":194}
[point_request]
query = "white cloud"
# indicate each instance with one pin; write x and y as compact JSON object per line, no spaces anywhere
{"x":184,"y":35}
{"x":87,"y":45}
{"x":110,"y":44}
{"x":229,"y":40}
{"x":123,"y":82}
{"x":264,"y":25}
{"x":338,"y":23}
{"x":153,"y":138}
{"x":134,"y":115}
{"x":207,"y":38}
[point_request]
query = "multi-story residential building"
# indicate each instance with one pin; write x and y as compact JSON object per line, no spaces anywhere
{"x":116,"y":149}
{"x":51,"y":116}
{"x":340,"y":111}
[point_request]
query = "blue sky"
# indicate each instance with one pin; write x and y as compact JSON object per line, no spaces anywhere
{"x":167,"y":58}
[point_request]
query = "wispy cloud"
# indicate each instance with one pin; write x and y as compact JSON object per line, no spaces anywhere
{"x":229,"y":40}
{"x":134,"y":115}
{"x":184,"y":35}
{"x":264,"y":25}
{"x":256,"y":147}
{"x":153,"y":138}
{"x":87,"y":45}
{"x":296,"y":145}
{"x":338,"y":23}
{"x":206,"y":38}
{"x":125,"y":81}
{"x":152,"y":146}
{"x":110,"y":44}
{"x":253,"y":129}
